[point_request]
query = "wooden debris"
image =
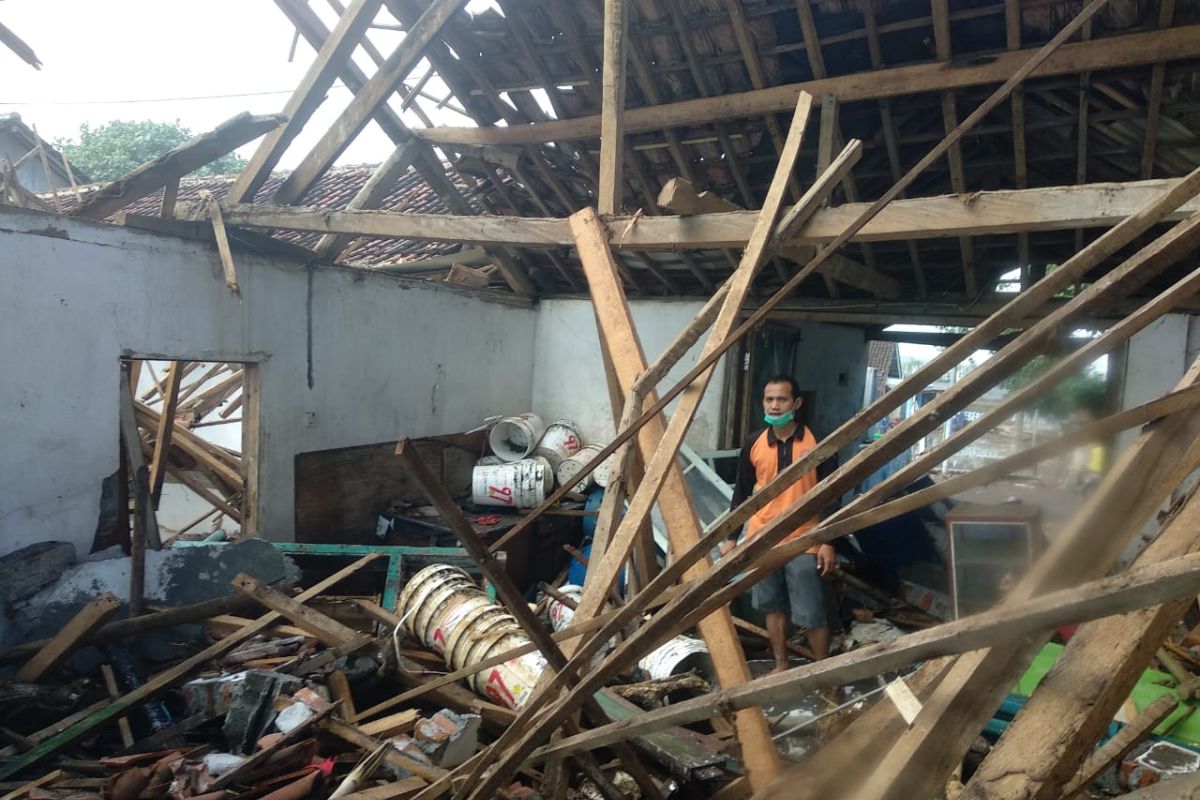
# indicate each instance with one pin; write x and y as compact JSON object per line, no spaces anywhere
{"x":83,"y":624}
{"x":174,"y":164}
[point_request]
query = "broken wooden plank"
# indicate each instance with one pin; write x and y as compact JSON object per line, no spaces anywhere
{"x":85,"y":622}
{"x":355,"y":736}
{"x":328,"y":630}
{"x":1119,"y":745}
{"x":114,"y":692}
{"x":162,"y":434}
{"x":222,"y":238}
{"x":175,"y":163}
{"x":392,"y":725}
{"x":167,"y":677}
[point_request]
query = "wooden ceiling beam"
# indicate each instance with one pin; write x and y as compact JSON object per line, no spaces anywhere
{"x":1112,"y":52}
{"x":977,"y":214}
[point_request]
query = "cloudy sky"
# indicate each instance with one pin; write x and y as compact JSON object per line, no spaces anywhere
{"x":165,"y":60}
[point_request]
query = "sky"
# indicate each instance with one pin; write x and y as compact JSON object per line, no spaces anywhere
{"x":197,"y":62}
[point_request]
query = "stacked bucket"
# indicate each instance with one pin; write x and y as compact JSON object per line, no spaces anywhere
{"x":528,"y":456}
{"x":443,"y":608}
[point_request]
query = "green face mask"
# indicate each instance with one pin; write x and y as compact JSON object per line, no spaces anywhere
{"x":779,"y":421}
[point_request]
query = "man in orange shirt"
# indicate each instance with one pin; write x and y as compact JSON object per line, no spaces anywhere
{"x":797,"y":586}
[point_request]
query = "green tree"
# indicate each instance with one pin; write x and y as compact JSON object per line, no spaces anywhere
{"x":113,"y":149}
{"x":1083,"y":389}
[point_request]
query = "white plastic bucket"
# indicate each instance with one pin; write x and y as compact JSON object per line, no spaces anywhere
{"x":521,"y":484}
{"x":511,"y":684}
{"x":572,"y":466}
{"x":559,"y":442}
{"x":678,"y":655}
{"x":560,"y":614}
{"x":490,"y":618}
{"x":513,"y":438}
{"x":450,"y":614}
{"x":431,"y":603}
{"x":418,"y":589}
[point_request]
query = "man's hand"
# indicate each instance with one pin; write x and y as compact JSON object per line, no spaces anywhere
{"x":726,"y":545}
{"x":825,"y":560}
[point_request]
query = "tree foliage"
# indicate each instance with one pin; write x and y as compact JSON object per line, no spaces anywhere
{"x":1083,"y":389}
{"x":108,"y":151}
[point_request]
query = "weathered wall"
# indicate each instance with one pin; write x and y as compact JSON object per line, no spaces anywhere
{"x":568,"y":373}
{"x":831,"y":360}
{"x":388,"y":359}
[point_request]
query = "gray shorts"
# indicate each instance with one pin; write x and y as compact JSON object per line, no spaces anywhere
{"x":796,"y":586}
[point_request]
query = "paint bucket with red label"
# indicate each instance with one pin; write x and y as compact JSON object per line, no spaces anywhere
{"x":520,"y":484}
{"x":559,"y":442}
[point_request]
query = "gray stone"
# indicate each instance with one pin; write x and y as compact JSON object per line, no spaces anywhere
{"x":24,"y":572}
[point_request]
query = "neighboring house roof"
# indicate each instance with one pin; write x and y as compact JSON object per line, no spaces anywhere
{"x":332,"y":191}
{"x":884,"y":358}
{"x":17,"y":139}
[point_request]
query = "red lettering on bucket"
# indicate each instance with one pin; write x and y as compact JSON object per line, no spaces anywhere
{"x":502,"y":493}
{"x":496,"y":690}
{"x":572,"y":442}
{"x":439,"y":640}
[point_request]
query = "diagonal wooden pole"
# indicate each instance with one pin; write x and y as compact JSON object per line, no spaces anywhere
{"x":678,"y":508}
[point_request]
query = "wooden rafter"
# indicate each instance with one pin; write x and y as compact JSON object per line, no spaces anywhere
{"x":1166,"y":14}
{"x":612,"y":114}
{"x":365,"y":103}
{"x":307,"y":97}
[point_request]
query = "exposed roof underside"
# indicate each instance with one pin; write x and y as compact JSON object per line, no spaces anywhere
{"x":535,"y":62}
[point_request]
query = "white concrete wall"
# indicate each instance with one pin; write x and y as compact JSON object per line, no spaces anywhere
{"x":390,"y":359}
{"x":568,"y":373}
{"x":1155,"y":360}
{"x":831,"y":360}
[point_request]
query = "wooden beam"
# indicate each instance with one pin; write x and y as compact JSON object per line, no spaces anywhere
{"x":114,"y":692}
{"x":85,"y":622}
{"x":1166,"y":14}
{"x":162,"y":435}
{"x":328,"y":630}
{"x":618,"y":330}
{"x":145,"y":523}
{"x":383,"y":179}
{"x":367,"y":101}
{"x":1178,"y":43}
{"x":167,"y":677}
{"x":977,"y":214}
{"x":612,"y":93}
{"x":330,"y":59}
{"x":175,"y":163}
{"x":1134,"y":589}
